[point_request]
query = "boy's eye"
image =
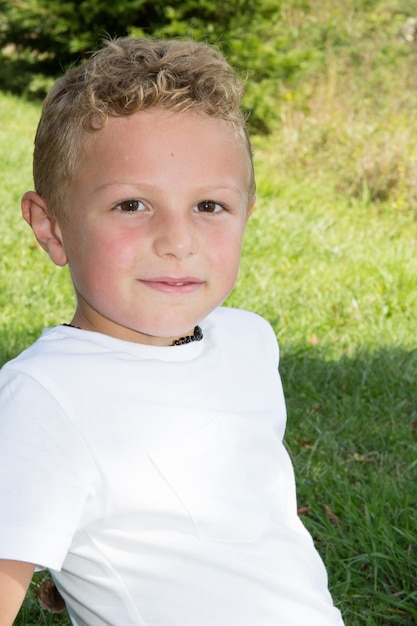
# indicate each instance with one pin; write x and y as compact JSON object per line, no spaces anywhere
{"x":209,"y":206}
{"x":130,"y":206}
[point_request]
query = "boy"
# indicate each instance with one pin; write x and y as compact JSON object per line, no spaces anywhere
{"x":141,"y":445}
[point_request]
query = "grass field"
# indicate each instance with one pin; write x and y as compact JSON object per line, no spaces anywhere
{"x":330,"y":259}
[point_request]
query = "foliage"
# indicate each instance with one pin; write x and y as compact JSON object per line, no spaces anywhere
{"x":280,"y":45}
{"x":59,"y":29}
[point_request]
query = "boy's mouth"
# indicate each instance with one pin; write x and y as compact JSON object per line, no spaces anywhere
{"x":181,"y":285}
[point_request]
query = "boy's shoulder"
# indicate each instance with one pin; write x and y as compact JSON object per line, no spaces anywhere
{"x":240,"y":320}
{"x":51,"y":343}
{"x":245,"y":329}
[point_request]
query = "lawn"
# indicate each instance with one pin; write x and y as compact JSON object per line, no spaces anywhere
{"x":330,"y":259}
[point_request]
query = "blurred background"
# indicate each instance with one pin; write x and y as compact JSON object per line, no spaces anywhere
{"x":330,"y":256}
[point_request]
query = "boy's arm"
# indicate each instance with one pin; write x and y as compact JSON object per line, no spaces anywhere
{"x":15,"y":577}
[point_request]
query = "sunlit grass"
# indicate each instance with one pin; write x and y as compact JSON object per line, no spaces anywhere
{"x":32,"y":292}
{"x":330,"y":271}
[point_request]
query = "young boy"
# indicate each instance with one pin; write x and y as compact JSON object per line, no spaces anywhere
{"x":141,"y":449}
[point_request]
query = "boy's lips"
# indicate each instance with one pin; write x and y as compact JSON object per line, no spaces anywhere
{"x":170,"y":284}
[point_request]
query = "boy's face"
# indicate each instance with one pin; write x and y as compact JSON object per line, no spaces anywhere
{"x":157,"y":212}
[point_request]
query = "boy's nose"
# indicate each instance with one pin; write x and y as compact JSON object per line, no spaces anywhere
{"x":176,"y":237}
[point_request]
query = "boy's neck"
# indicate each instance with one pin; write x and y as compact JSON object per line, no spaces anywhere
{"x":196,"y":336}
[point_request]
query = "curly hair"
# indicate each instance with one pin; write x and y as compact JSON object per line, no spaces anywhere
{"x":128,"y":75}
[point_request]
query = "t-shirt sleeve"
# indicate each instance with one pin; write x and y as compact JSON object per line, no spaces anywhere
{"x":46,"y":473}
{"x":270,"y":342}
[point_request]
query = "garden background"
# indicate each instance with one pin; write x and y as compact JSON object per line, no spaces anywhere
{"x":330,"y":257}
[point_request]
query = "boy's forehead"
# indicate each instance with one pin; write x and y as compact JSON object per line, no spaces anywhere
{"x":163,"y":132}
{"x":159,"y":119}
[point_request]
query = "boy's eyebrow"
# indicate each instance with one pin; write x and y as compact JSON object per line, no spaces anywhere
{"x":123,"y":183}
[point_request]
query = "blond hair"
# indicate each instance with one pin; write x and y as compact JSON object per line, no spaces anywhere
{"x":129,"y":74}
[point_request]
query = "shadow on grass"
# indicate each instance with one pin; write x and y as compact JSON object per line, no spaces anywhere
{"x":352,"y":436}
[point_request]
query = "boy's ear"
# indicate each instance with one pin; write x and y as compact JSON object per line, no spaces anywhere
{"x":45,"y":228}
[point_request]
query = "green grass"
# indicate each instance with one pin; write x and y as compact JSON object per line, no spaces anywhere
{"x":330,"y":259}
{"x":32,"y":293}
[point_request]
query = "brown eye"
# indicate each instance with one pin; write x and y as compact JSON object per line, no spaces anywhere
{"x":209,"y":206}
{"x":130,"y":206}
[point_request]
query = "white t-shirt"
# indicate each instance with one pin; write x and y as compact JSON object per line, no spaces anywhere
{"x":153,"y":481}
